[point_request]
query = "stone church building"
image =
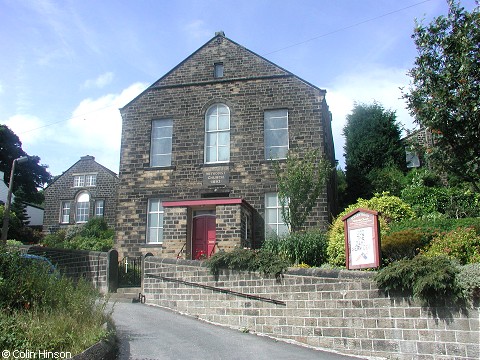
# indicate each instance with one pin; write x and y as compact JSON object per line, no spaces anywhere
{"x":196,"y":174}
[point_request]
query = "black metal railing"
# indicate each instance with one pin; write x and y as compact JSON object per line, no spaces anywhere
{"x":130,"y":272}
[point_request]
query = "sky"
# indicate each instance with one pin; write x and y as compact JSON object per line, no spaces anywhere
{"x":67,"y":66}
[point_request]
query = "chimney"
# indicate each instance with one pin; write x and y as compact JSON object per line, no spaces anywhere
{"x":220,"y":33}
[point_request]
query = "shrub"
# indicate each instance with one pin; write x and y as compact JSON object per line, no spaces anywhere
{"x":301,"y":247}
{"x":469,"y":280}
{"x":453,"y":202}
{"x":435,"y":225}
{"x":29,"y":295}
{"x":94,"y":235}
{"x":55,"y":240}
{"x":247,"y":260}
{"x":391,"y":209}
{"x":462,"y":244}
{"x":430,"y":280}
{"x":405,"y":244}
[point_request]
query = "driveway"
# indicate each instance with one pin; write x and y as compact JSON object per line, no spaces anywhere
{"x":147,"y":332}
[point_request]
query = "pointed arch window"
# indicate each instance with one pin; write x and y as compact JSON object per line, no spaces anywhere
{"x":217,"y":134}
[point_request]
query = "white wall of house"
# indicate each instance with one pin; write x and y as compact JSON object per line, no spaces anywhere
{"x":35,"y":213}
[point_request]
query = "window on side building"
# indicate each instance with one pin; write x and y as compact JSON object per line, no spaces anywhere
{"x":65,"y":212}
{"x":276,"y":134}
{"x":79,"y":181}
{"x":91,"y":180}
{"x":82,"y":207}
{"x":217,"y":134}
{"x":274,"y":223}
{"x":99,"y":208}
{"x":155,"y":222}
{"x":161,"y":143}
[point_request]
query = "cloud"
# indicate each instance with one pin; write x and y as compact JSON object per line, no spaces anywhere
{"x":197,"y":30}
{"x":95,"y":125}
{"x":93,"y":129}
{"x":100,"y":82}
{"x":28,"y":128}
{"x":381,"y":84}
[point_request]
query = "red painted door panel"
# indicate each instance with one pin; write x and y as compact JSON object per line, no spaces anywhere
{"x":204,"y":236}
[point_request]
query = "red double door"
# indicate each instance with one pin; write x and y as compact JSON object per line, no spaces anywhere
{"x":203,"y":236}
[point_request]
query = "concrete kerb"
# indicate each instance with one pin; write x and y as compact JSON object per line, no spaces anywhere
{"x":105,"y":349}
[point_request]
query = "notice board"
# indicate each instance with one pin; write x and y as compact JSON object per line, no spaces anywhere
{"x":362,"y":239}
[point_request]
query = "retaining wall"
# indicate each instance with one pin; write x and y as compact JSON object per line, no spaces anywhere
{"x":99,"y":268}
{"x":337,"y":310}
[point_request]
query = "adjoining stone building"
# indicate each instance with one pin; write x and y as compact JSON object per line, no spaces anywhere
{"x":196,"y":174}
{"x":85,"y":190}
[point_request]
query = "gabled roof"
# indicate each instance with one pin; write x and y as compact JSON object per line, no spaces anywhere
{"x":83,"y":158}
{"x":198,"y":67}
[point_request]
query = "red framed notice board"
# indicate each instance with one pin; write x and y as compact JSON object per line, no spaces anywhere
{"x":362,"y":239}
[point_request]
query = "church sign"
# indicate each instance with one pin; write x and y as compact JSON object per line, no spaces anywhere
{"x":362,"y":239}
{"x":216,"y":177}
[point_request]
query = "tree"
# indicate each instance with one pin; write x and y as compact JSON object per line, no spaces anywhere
{"x":301,"y":180}
{"x":444,"y":94}
{"x":29,"y":176}
{"x":372,"y":142}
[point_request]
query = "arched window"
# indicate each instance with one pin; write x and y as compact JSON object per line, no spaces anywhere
{"x":82,"y":207}
{"x":217,"y":134}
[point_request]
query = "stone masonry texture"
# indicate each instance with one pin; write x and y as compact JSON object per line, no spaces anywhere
{"x":250,"y":86}
{"x":92,"y":266}
{"x":62,"y":189}
{"x":330,"y":309}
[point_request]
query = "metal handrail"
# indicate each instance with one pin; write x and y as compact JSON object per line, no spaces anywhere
{"x":216,"y":289}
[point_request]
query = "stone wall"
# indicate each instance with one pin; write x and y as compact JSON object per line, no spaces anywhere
{"x":62,"y":189}
{"x":250,"y":86}
{"x":336,"y":310}
{"x":99,"y":268}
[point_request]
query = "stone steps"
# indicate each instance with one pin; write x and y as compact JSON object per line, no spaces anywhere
{"x":130,"y":294}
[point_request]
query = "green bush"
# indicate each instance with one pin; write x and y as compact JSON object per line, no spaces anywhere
{"x":452,"y":202}
{"x":404,"y":244}
{"x":429,"y":279}
{"x":41,"y":311}
{"x":94,"y":235}
{"x":261,"y":260}
{"x":300,"y":248}
{"x":469,"y":280}
{"x":391,"y":209}
{"x":436,"y":225}
{"x":462,"y":244}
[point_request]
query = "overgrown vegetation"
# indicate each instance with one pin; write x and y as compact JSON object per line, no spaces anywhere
{"x":93,"y":235}
{"x":262,"y":261}
{"x":431,"y":280}
{"x":301,"y":179}
{"x":42,"y":311}
{"x":308,"y":248}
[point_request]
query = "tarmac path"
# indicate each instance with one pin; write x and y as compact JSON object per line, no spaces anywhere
{"x":148,"y":332}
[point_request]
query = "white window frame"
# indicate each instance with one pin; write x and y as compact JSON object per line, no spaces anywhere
{"x":269,"y":130}
{"x":90,"y":180}
{"x":158,"y":138}
{"x":155,"y":232}
{"x":65,"y":212}
{"x":216,"y":133}
{"x":84,"y":180}
{"x":82,"y":208}
{"x":100,"y":208}
{"x":78,"y":180}
{"x":275,"y":209}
